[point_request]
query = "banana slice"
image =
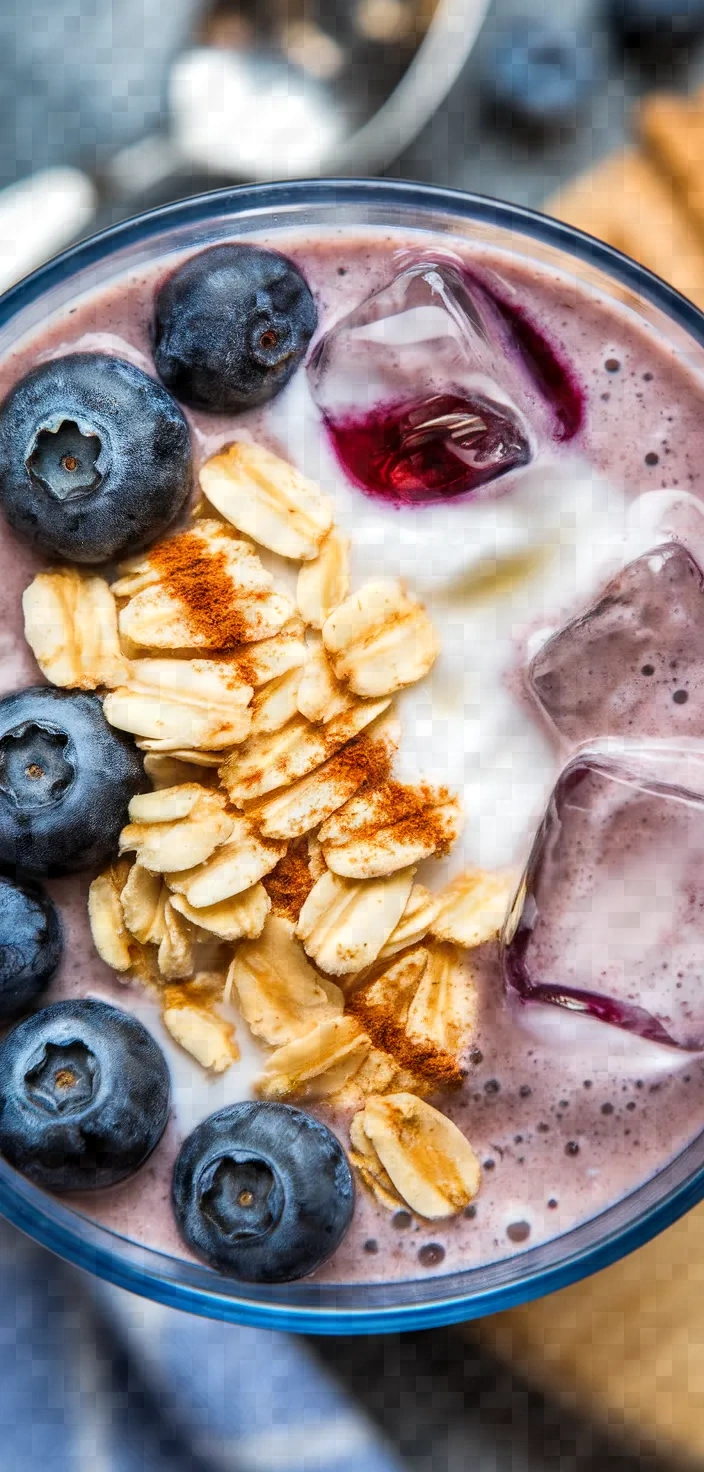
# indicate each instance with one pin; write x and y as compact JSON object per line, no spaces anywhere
{"x":267,"y":499}
{"x":344,"y":923}
{"x":324,"y":583}
{"x":380,"y":639}
{"x":429,"y":1162}
{"x":279,"y":994}
{"x":70,"y":624}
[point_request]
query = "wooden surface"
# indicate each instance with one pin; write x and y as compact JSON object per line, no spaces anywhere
{"x":625,"y":1346}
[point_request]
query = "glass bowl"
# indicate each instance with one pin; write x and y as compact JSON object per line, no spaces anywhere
{"x":356,"y":1308}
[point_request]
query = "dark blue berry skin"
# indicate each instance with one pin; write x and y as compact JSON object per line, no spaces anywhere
{"x":539,"y":75}
{"x":31,"y":944}
{"x":84,"y":1095}
{"x":231,"y":326}
{"x":263,"y":1192}
{"x":95,"y":457}
{"x":66,"y":778}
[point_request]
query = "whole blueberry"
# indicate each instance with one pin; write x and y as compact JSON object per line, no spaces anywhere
{"x":538,"y":75}
{"x":231,"y":326}
{"x":84,"y":1095}
{"x":263,"y":1192}
{"x":95,"y":457}
{"x":30,"y":945}
{"x":66,"y":778}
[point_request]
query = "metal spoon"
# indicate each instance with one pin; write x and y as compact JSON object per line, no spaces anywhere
{"x":251,"y":114}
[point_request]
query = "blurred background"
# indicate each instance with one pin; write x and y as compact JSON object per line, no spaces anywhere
{"x":112,"y":106}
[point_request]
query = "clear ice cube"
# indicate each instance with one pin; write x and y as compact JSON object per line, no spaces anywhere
{"x":667,"y":515}
{"x":633,"y":664}
{"x":609,"y":917}
{"x":432,"y":388}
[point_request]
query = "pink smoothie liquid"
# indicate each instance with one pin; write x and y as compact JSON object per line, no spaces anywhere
{"x":565,"y":1123}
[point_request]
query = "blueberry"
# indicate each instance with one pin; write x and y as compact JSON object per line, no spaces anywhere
{"x":231,"y":326}
{"x":95,"y":457}
{"x":262,"y":1192}
{"x":84,"y":1095}
{"x":539,"y":75}
{"x":66,"y":778}
{"x":30,"y":945}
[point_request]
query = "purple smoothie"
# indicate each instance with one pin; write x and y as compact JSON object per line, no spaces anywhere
{"x":565,"y":1122}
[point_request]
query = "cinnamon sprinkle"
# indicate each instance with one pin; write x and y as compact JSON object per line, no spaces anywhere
{"x":362,"y":756}
{"x":412,"y":813}
{"x":288,"y":885}
{"x":290,"y":881}
{"x":423,"y":1058}
{"x":246,"y":663}
{"x":199,"y":578}
{"x":365,"y":758}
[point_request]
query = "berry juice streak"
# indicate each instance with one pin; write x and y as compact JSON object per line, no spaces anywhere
{"x":438,"y":446}
{"x":561,"y":1134}
{"x":429,"y":450}
{"x":556,"y":382}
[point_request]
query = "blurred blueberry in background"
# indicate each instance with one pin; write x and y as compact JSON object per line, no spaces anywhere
{"x":539,"y":74}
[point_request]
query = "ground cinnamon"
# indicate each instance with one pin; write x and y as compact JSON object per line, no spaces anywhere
{"x":381,"y":1023}
{"x":424,"y":1059}
{"x":363,"y":758}
{"x":363,"y":762}
{"x":290,"y":881}
{"x":199,"y":578}
{"x":412,"y":814}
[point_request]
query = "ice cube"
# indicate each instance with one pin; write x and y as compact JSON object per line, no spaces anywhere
{"x":667,"y":515}
{"x":429,"y":389}
{"x":633,"y":664}
{"x":609,"y":917}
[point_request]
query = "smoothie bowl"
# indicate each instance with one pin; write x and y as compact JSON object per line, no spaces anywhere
{"x":351,"y":773}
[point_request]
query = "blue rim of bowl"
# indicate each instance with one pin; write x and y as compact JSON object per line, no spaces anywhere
{"x":356,"y":1308}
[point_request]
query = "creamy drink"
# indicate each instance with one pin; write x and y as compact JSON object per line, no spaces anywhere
{"x":511,"y":464}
